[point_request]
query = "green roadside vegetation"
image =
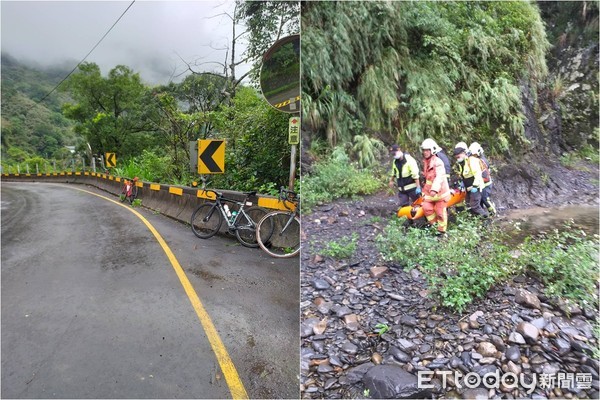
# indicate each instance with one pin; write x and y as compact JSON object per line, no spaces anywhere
{"x":150,"y":127}
{"x":473,"y":258}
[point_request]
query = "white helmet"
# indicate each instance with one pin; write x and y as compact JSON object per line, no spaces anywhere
{"x":430,"y":144}
{"x":461,"y":147}
{"x":475,"y":148}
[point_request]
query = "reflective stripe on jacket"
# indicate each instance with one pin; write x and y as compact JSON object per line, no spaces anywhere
{"x":471,"y":173}
{"x":406,"y":171}
{"x":435,"y":180}
{"x":485,"y":174}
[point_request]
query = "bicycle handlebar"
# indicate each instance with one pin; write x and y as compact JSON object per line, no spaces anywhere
{"x":288,"y":195}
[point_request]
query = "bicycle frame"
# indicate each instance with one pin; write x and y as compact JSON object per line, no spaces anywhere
{"x":230,"y":224}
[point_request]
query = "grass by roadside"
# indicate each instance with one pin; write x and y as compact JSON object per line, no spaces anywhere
{"x":473,"y":258}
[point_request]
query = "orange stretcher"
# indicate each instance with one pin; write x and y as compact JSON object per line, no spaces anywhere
{"x":415,"y":211}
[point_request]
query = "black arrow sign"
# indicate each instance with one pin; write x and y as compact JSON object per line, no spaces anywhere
{"x":110,"y":161}
{"x":207,"y":156}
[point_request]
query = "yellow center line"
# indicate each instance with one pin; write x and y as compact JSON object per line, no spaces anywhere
{"x":236,"y":387}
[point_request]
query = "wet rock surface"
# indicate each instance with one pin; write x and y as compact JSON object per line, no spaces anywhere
{"x":495,"y":335}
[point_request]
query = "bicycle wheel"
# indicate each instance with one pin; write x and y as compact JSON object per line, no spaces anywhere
{"x":134,"y":192}
{"x":278,"y":234}
{"x":246,"y":230}
{"x":206,"y":220}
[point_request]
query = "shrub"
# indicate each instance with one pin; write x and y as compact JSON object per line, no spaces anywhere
{"x":335,"y":178}
{"x":475,"y":257}
{"x":344,"y":248}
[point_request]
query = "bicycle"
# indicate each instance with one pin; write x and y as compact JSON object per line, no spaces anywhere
{"x":278,"y":232}
{"x":129,"y":190}
{"x":208,"y":217}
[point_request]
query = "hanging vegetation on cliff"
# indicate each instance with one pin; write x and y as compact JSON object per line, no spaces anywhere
{"x":404,"y":71}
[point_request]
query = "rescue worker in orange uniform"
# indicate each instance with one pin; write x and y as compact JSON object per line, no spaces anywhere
{"x":469,"y":170}
{"x":436,"y":191}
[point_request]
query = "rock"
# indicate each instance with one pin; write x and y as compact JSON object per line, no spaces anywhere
{"x":376,"y":358}
{"x":355,"y":375}
{"x":320,"y":284}
{"x":306,"y":328}
{"x":317,"y":259}
{"x":485,"y":369}
{"x":498,"y":342}
{"x":351,"y":321}
{"x":530,"y":333}
{"x":396,"y":297}
{"x":415,"y":274}
{"x":527,"y":299}
{"x":408,"y":320}
{"x":513,"y":353}
{"x":330,"y":382}
{"x":324,"y":307}
{"x":562,"y":346}
{"x":475,"y":315}
{"x":377,"y":272}
{"x":474,"y":324}
{"x":475,"y":394}
{"x":550,"y":369}
{"x":350,"y":348}
{"x":324,"y":368}
{"x":514,"y":368}
{"x":399,"y":354}
{"x":392,"y":382}
{"x":424,"y":348}
{"x":539,"y":323}
{"x":406,"y":345}
{"x":320,"y":327}
{"x":343,"y":311}
{"x":487,"y":349}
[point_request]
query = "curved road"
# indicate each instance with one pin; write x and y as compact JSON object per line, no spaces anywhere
{"x":92,"y":308}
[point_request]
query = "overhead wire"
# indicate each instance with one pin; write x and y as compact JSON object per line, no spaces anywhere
{"x":82,"y":60}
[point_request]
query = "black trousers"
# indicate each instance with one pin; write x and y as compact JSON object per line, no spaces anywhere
{"x":474,"y":204}
{"x":407,"y":197}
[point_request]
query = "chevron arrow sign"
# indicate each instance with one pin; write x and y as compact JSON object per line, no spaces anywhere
{"x":211,"y":156}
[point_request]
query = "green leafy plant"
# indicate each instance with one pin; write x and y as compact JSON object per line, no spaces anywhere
{"x":136,"y":203}
{"x":381,"y":328}
{"x":475,"y":257}
{"x":335,"y":178}
{"x":344,"y":248}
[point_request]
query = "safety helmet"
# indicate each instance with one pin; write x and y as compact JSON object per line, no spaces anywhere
{"x":429,"y":144}
{"x":475,"y":148}
{"x":460,"y":148}
{"x":135,"y":179}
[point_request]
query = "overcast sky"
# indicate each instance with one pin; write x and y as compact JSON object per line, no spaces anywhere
{"x":148,"y":38}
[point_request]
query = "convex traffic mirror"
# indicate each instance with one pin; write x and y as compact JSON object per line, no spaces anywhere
{"x":280,"y":74}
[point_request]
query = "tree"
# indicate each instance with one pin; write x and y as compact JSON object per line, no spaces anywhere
{"x":107,"y":110}
{"x":261,"y":23}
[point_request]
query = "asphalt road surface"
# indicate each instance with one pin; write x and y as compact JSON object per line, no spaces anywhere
{"x":92,"y":308}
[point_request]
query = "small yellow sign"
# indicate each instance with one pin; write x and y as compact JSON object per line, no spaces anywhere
{"x":294,"y":130}
{"x":110,"y":160}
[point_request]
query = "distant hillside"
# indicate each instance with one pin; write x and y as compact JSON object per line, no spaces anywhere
{"x":40,"y":131}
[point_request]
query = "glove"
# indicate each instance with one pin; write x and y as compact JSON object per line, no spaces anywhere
{"x":474,"y":190}
{"x":418,"y":190}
